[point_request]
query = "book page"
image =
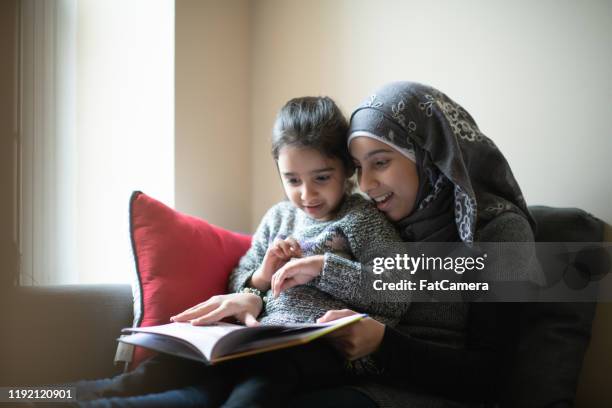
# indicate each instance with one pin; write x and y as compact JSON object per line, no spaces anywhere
{"x":202,"y":337}
{"x":243,"y":343}
{"x":164,"y":344}
{"x":221,"y":339}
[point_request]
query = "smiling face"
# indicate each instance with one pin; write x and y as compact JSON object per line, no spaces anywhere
{"x":386,"y":176}
{"x":313,"y":182}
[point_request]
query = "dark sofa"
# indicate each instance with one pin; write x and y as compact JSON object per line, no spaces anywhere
{"x":62,"y":333}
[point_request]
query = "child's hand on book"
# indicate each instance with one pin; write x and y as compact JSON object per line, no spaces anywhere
{"x":278,"y":254}
{"x":297,"y":272}
{"x":242,"y":306}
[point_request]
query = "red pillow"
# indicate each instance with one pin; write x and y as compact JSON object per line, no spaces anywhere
{"x":180,"y":261}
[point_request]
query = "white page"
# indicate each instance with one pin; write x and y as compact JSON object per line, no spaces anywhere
{"x":202,"y":337}
{"x":206,"y":337}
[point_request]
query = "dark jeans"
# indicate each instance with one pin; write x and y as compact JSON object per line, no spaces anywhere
{"x":264,"y":380}
{"x":333,"y":397}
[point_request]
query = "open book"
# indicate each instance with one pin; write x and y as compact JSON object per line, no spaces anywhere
{"x":224,"y":341}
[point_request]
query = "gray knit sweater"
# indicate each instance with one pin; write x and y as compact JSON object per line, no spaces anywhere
{"x":358,"y":231}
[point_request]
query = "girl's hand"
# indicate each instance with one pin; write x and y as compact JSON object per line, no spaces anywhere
{"x":286,"y":248}
{"x":277,"y":255}
{"x":242,"y":306}
{"x":358,"y":339}
{"x":297,"y":272}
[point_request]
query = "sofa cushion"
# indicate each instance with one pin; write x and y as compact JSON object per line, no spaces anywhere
{"x":553,"y":337}
{"x":180,"y":261}
{"x":60,"y":333}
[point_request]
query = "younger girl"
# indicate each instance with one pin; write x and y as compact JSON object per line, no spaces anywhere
{"x":320,"y":231}
{"x":320,"y":228}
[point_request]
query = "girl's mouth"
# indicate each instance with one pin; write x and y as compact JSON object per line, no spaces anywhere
{"x":313,"y":209}
{"x":382,"y":202}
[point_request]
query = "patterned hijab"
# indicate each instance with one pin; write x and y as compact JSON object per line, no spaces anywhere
{"x":463,"y":177}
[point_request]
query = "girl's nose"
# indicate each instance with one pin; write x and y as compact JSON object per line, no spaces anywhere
{"x":308,"y":192}
{"x":366,"y":181}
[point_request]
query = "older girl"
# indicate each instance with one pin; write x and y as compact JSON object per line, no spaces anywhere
{"x":422,"y":159}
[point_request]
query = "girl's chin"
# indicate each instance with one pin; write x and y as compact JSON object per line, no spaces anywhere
{"x":397,"y":214}
{"x":318,"y":212}
{"x":393,"y":212}
{"x":391,"y":216}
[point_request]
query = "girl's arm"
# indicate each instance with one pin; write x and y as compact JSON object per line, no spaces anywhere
{"x":242,"y":306}
{"x":253,"y":259}
{"x":245,"y":307}
{"x":368,"y":232}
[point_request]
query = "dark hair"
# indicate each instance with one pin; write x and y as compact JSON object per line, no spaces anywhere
{"x":315,"y":122}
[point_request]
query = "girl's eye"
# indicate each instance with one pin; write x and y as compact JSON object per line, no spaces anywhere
{"x":293,"y":181}
{"x":381,"y":163}
{"x":322,"y":178}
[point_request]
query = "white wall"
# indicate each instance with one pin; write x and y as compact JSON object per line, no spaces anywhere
{"x":212,"y":141}
{"x":535,"y":75}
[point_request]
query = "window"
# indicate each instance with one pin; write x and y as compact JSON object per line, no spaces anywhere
{"x":97,"y":122}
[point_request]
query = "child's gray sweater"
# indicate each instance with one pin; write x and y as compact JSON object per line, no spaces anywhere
{"x":348,"y":241}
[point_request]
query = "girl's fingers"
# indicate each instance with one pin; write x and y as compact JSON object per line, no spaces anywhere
{"x":214,"y":316}
{"x":279,"y":277}
{"x":278,"y":252}
{"x":274,"y":283}
{"x":188,"y":316}
{"x":287,"y":284}
{"x":287,"y":278}
{"x":286,"y":249}
{"x":279,"y":248}
{"x":250,"y":320}
{"x":288,"y":253}
{"x":294,"y":247}
{"x":194,"y":312}
{"x":206,"y":303}
{"x":192,"y":308}
{"x":334,"y":315}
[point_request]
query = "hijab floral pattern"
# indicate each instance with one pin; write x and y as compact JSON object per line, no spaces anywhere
{"x":451,"y":151}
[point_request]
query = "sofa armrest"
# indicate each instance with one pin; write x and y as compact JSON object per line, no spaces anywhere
{"x":594,"y":385}
{"x":62,"y":333}
{"x":553,"y":337}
